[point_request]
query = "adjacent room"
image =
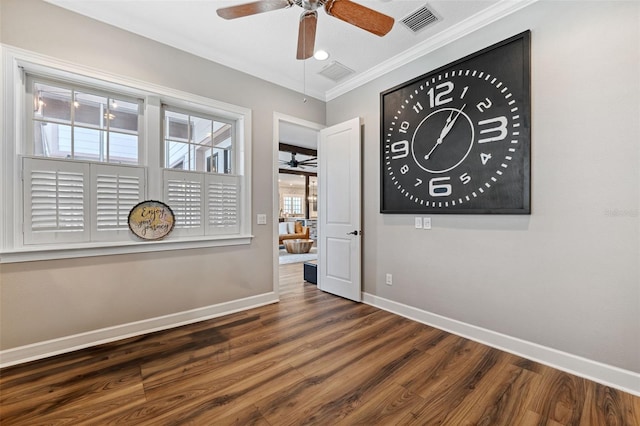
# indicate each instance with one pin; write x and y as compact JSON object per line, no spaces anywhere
{"x":297,"y":195}
{"x":320,"y":212}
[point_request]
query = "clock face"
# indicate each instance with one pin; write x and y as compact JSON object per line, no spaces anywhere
{"x":456,"y":140}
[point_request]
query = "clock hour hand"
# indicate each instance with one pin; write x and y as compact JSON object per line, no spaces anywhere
{"x":451,"y":120}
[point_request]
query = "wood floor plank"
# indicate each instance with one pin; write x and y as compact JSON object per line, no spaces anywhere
{"x":78,"y":403}
{"x":314,"y":359}
{"x":607,"y":406}
{"x":345,"y":382}
{"x":502,"y":398}
{"x":561,"y":398}
{"x":386,"y":407}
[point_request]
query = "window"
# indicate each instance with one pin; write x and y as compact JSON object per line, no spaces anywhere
{"x":292,"y":205}
{"x":83,"y":124}
{"x":76,"y":188}
{"x":81,"y":150}
{"x":197,"y":142}
{"x":199,"y":186}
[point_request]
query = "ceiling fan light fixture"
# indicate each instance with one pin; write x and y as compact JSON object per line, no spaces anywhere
{"x":321,"y":55}
{"x":345,"y":10}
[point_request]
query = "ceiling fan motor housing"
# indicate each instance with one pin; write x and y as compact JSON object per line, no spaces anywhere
{"x":345,"y":10}
{"x":310,"y":4}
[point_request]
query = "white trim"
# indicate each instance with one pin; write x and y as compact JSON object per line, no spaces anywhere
{"x":486,"y":17}
{"x":42,"y":65}
{"x":75,"y":342}
{"x":106,"y":249}
{"x":625,"y":380}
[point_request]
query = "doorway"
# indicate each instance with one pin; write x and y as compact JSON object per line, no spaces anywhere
{"x":300,"y":137}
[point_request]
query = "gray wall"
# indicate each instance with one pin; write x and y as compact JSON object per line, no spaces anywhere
{"x":567,"y":276}
{"x":50,"y":299}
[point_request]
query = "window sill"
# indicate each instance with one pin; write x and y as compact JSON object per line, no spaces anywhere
{"x":53,"y":252}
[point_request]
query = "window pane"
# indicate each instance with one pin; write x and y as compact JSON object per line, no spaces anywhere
{"x":222,"y":135}
{"x":51,"y":140}
{"x":213,"y":162}
{"x":176,"y":126}
{"x":91,"y":110}
{"x":88,"y":144}
{"x":123,"y":148}
{"x":201,"y":131}
{"x":220,"y":162}
{"x":200,"y":155}
{"x":125,"y":116}
{"x":51,"y":103}
{"x":178,"y":155}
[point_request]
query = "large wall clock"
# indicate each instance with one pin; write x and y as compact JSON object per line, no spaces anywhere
{"x":457,"y":139}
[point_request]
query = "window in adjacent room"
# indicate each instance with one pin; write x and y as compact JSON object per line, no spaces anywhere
{"x":292,"y":205}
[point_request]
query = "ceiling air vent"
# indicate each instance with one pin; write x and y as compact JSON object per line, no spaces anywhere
{"x":335,"y":71}
{"x":419,"y":19}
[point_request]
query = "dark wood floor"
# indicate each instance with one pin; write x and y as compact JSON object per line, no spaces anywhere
{"x":311,"y":359}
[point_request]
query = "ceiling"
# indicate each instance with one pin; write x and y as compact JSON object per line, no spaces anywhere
{"x":294,"y":181}
{"x":264,"y":45}
{"x":297,"y":135}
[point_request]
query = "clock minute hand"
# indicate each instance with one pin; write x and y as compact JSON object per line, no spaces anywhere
{"x":445,"y":130}
{"x":442,"y":133}
{"x":447,"y":127}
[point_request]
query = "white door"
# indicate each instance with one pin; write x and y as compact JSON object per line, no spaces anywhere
{"x":339,"y":231}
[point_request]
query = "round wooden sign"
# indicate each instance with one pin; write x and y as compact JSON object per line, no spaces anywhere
{"x":151,"y":220}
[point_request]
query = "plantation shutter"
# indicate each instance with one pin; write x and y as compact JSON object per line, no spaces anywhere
{"x":223,"y":204}
{"x":184,"y":193}
{"x":117,"y":189}
{"x":203,"y":204}
{"x":55,"y":201}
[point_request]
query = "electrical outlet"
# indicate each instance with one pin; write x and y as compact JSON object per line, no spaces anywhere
{"x":426,"y":223}
{"x":418,"y":222}
{"x":389,"y":279}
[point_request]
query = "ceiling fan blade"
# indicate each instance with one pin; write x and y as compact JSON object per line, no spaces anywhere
{"x":261,"y":6}
{"x":307,"y":34}
{"x":360,"y":16}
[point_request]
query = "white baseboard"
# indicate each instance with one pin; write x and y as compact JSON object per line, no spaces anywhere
{"x":625,"y":380}
{"x":66,"y":344}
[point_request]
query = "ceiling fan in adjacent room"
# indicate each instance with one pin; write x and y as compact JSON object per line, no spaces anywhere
{"x":345,"y":10}
{"x":293,"y":163}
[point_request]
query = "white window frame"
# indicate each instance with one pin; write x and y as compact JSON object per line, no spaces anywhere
{"x":15,"y":62}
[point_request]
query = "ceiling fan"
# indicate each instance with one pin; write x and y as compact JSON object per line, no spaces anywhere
{"x":311,"y":162}
{"x":345,"y":10}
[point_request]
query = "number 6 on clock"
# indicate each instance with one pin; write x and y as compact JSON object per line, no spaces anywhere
{"x":437,"y":189}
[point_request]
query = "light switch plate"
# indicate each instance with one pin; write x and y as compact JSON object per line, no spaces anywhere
{"x":418,"y":222}
{"x":426,"y":222}
{"x":262,"y":219}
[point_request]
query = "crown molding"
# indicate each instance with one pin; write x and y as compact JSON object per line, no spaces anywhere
{"x":463,"y":28}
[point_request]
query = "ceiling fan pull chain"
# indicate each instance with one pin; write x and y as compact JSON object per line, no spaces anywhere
{"x":304,"y":82}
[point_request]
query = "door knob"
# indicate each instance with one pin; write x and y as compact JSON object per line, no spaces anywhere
{"x":352,"y":233}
